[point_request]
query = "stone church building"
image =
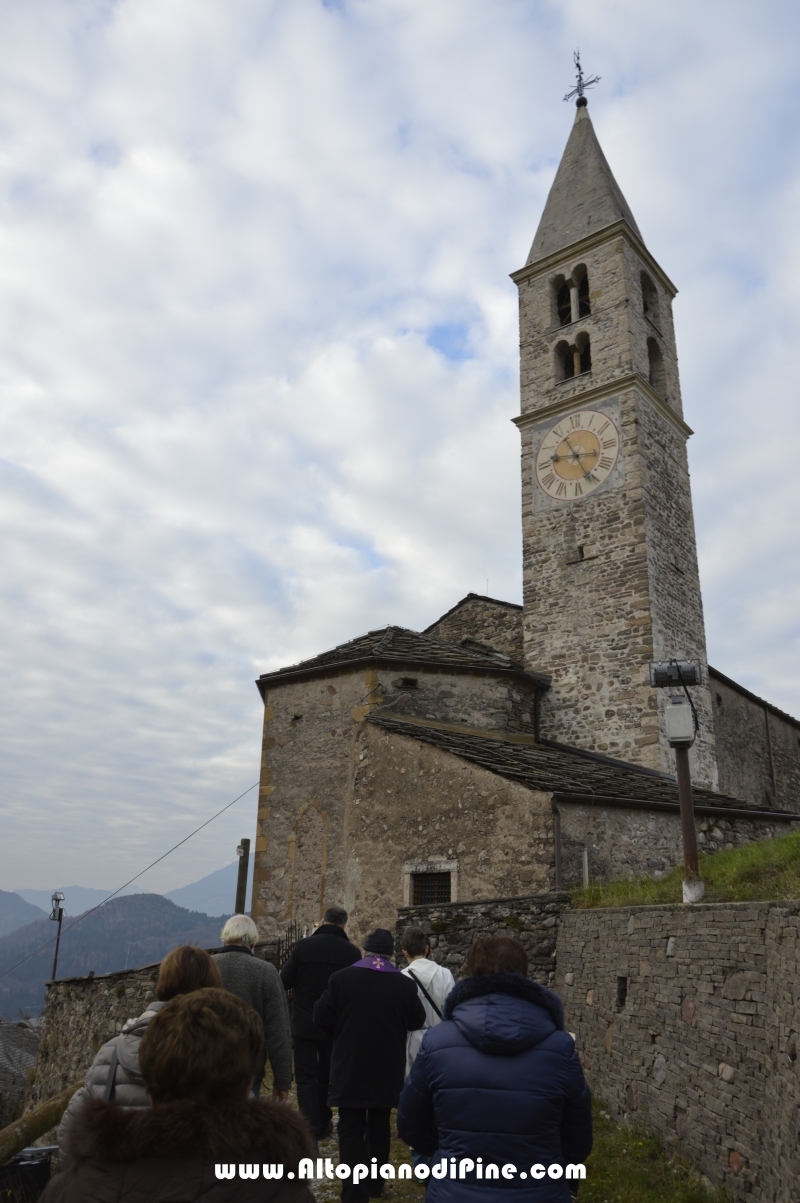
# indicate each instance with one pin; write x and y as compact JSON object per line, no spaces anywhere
{"x":480,"y":757}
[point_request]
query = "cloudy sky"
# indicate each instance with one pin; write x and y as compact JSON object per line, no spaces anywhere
{"x":258,"y":359}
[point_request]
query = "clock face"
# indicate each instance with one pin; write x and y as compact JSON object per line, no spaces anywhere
{"x":577,"y":454}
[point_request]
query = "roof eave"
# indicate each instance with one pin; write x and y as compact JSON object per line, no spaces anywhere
{"x":702,"y":808}
{"x":539,"y":681}
{"x":753,"y":697}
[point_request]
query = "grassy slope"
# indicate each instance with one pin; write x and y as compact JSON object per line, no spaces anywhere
{"x":762,"y":871}
{"x":627,"y":1165}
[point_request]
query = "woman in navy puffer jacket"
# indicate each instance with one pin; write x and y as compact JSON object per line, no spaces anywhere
{"x":498,"y":1081}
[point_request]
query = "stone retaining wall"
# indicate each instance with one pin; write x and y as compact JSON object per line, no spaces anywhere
{"x":686,"y":1019}
{"x":452,"y":927}
{"x":81,"y":1013}
{"x":782,"y":1094}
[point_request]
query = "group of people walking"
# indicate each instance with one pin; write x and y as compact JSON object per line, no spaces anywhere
{"x":481,"y":1072}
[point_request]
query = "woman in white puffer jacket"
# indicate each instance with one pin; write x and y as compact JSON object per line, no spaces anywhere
{"x":114,"y":1074}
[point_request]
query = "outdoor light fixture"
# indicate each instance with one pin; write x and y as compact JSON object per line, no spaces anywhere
{"x":664,"y":673}
{"x":57,"y":914}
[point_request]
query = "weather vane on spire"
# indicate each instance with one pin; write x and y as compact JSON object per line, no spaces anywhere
{"x":583,"y":84}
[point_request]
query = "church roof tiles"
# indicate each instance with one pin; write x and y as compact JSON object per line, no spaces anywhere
{"x":398,"y":646}
{"x":571,"y":775}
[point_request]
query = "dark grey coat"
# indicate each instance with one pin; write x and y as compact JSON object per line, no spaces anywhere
{"x":258,"y":983}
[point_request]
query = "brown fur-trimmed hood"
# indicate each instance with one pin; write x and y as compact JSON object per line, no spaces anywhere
{"x":259,"y":1129}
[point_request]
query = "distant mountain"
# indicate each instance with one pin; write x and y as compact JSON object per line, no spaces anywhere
{"x":77,"y":899}
{"x":215,"y":894}
{"x":136,"y":930}
{"x":16,"y":912}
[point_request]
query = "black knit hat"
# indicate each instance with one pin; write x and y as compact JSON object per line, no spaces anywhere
{"x":380,"y":941}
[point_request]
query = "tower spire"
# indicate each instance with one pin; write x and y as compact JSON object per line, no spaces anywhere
{"x":584,"y":197}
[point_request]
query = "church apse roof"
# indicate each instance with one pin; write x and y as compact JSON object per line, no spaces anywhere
{"x":570,"y":774}
{"x":584,"y":196}
{"x":398,"y":646}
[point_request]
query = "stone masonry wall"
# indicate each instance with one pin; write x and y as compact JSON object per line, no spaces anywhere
{"x":740,"y":724}
{"x":586,"y":619}
{"x":634,"y":843}
{"x":308,"y":851}
{"x":531,"y":920}
{"x":782,"y":1096}
{"x":81,"y":1013}
{"x":684,"y":1020}
{"x":676,"y":604}
{"x":484,"y":619}
{"x":415,"y":805}
{"x":610,"y":581}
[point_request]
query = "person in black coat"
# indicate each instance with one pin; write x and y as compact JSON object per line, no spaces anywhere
{"x":307,"y":973}
{"x":368,"y":1010}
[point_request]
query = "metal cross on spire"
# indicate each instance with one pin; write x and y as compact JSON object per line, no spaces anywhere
{"x":582,"y":84}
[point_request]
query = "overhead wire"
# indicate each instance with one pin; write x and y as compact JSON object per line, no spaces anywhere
{"x":158,"y":860}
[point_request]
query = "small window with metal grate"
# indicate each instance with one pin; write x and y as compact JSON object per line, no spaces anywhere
{"x":429,"y":888}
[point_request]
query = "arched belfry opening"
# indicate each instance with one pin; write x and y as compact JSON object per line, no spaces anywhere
{"x":655,"y":359}
{"x":563,"y":302}
{"x":581,"y":277}
{"x":571,"y":297}
{"x":649,"y":298}
{"x":573,"y":359}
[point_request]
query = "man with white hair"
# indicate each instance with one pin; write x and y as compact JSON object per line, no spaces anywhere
{"x":258,"y":983}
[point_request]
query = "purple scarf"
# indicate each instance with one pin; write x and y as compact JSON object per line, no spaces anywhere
{"x":374,"y":960}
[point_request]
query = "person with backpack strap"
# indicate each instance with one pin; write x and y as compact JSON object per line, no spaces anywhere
{"x":114,"y":1075}
{"x":434,"y":983}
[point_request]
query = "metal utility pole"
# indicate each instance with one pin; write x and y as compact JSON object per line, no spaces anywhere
{"x":243,"y":852}
{"x":681,"y":726}
{"x":57,"y":914}
{"x":692,"y":884}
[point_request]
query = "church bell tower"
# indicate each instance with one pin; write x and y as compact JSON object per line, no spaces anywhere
{"x":610,"y":572}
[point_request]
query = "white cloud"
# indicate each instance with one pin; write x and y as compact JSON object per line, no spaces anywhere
{"x":258,"y":359}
